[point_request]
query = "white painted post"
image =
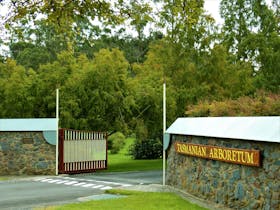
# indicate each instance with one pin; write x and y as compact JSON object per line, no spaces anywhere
{"x":57,"y":130}
{"x":164,"y":128}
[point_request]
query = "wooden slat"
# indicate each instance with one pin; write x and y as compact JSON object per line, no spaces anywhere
{"x":82,"y":151}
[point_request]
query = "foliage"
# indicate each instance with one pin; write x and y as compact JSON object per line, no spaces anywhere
{"x":111,"y":81}
{"x":116,"y":142}
{"x":42,"y":48}
{"x":16,"y":85}
{"x":75,"y":20}
{"x":262,"y":104}
{"x":122,"y":161}
{"x":147,"y":149}
{"x":187,"y":24}
{"x":251,"y":33}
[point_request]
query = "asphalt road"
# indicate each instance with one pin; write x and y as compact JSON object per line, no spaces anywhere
{"x":135,"y":178}
{"x":55,"y":190}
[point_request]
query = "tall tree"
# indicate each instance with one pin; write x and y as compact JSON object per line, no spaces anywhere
{"x":70,"y":17}
{"x":139,"y":15}
{"x":98,"y":97}
{"x":16,"y":84}
{"x":187,"y":24}
{"x":29,"y":55}
{"x":251,"y":33}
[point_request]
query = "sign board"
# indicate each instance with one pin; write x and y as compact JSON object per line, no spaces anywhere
{"x":231,"y":155}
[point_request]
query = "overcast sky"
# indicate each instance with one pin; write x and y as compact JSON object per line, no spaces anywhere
{"x":212,"y":6}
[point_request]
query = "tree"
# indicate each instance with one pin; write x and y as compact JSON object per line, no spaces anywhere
{"x":50,"y":77}
{"x":99,"y":96}
{"x":147,"y":82}
{"x":42,"y":48}
{"x":251,"y":32}
{"x":268,"y":76}
{"x":188,"y":25}
{"x":134,"y":49}
{"x":74,"y":18}
{"x":140,"y":16}
{"x":29,"y":55}
{"x":16,"y":82}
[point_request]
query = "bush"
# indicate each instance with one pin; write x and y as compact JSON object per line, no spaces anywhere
{"x":146,"y":149}
{"x":116,"y":142}
{"x":262,"y":104}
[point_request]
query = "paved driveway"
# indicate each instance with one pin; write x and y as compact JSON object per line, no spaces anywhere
{"x":55,"y":190}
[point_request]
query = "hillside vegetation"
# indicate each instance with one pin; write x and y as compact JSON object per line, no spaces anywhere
{"x":112,"y":81}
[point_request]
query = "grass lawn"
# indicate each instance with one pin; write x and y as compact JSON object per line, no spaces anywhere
{"x":135,"y":201}
{"x":12,"y":177}
{"x":123,"y":162}
{"x":4,"y":178}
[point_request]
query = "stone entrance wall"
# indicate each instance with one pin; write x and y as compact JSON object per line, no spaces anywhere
{"x":26,"y":153}
{"x":232,"y":185}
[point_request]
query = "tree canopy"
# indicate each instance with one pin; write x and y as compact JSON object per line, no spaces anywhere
{"x":110,"y":80}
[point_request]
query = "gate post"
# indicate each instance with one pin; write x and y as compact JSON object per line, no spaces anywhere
{"x":60,"y":150}
{"x":106,"y":161}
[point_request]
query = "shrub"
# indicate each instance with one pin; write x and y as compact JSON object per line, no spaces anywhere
{"x":146,"y":149}
{"x":116,"y":142}
{"x":262,"y":104}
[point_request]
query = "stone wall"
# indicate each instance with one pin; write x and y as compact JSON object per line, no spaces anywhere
{"x":232,"y":185}
{"x":26,"y":153}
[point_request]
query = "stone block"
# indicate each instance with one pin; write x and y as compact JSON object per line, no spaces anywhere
{"x":277,"y":162}
{"x":275,"y":196}
{"x":239,"y":191}
{"x":275,"y":155}
{"x":256,"y":193}
{"x":4,"y":146}
{"x":42,"y":165}
{"x":256,"y":204}
{"x":267,"y":206}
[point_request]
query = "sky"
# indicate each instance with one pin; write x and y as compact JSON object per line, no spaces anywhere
{"x":212,"y":7}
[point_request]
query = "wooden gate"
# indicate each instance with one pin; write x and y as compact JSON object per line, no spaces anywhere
{"x":81,"y":151}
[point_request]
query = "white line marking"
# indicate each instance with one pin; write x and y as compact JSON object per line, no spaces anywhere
{"x":39,"y":179}
{"x":88,"y":185}
{"x":61,"y":182}
{"x":98,"y":186}
{"x":126,"y":185}
{"x":71,"y":183}
{"x":84,"y":183}
{"x":54,"y":180}
{"x":46,"y":180}
{"x":106,"y":188}
{"x":69,"y":178}
{"x":79,"y":184}
{"x":106,"y":182}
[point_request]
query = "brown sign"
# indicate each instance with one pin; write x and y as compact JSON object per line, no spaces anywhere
{"x":238,"y":156}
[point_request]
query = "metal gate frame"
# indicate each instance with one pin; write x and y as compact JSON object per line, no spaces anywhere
{"x":79,"y":151}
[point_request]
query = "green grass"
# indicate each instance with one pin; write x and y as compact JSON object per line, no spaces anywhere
{"x":4,"y":178}
{"x":12,"y":177}
{"x":135,"y":201}
{"x":123,"y":162}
